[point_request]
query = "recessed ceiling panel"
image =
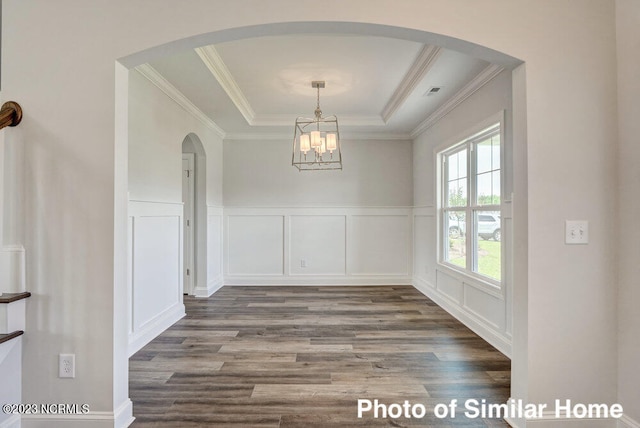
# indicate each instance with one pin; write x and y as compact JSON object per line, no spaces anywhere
{"x":361,"y":73}
{"x":376,"y":86}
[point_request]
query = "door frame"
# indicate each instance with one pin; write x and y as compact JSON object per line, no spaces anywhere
{"x":189,"y":223}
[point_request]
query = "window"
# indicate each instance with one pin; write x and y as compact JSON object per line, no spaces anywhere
{"x":470,"y":205}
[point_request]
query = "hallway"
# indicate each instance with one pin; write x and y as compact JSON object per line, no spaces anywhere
{"x":303,"y":356}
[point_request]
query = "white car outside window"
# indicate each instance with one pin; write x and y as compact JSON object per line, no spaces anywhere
{"x":489,"y":226}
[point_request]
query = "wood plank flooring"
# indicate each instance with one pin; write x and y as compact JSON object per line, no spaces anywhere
{"x":303,"y":356}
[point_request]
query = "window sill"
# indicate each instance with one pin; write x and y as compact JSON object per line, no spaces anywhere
{"x":477,"y":281}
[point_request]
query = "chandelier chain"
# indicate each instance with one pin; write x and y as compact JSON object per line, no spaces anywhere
{"x":318,"y":112}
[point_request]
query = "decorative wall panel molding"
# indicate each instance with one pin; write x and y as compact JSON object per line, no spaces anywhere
{"x":254,"y":245}
{"x":482,"y":307}
{"x":155,"y":266}
{"x":487,"y":332}
{"x":215,"y":250}
{"x":317,"y":245}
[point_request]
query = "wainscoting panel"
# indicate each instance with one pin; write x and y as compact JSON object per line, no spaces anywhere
{"x":155,"y":264}
{"x":379,"y":245}
{"x":449,"y":286}
{"x":483,"y":308}
{"x":487,"y":307}
{"x":156,"y":269}
{"x":317,"y":245}
{"x":255,"y":245}
{"x":424,"y":232}
{"x":215,"y":251}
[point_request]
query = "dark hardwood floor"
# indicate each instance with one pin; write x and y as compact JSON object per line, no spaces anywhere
{"x":303,"y":356}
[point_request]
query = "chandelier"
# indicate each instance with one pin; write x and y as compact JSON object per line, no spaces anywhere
{"x":316,"y":142}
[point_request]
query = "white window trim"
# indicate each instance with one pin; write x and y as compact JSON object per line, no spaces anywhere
{"x":484,"y":282}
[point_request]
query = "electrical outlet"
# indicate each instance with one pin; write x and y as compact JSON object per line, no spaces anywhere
{"x":67,"y":365}
{"x":576,"y":232}
{"x":303,"y":263}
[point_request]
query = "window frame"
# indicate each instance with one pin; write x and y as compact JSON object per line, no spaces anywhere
{"x":468,"y":140}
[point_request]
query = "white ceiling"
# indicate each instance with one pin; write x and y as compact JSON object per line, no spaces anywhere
{"x":375,"y":86}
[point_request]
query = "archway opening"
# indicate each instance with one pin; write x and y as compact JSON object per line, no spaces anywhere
{"x":519,"y":146}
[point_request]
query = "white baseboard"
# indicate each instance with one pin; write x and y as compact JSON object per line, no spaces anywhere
{"x":552,"y":421}
{"x":626,"y":422}
{"x":212,"y":287}
{"x":514,"y":423}
{"x":121,"y":418}
{"x":312,"y":280}
{"x":549,"y":419}
{"x":12,"y":422}
{"x":483,"y":330}
{"x":152,"y":329}
{"x":123,"y":415}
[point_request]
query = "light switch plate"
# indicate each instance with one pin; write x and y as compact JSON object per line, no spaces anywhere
{"x":576,"y":232}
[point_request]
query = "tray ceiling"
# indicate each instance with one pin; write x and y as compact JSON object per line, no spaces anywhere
{"x":378,"y":87}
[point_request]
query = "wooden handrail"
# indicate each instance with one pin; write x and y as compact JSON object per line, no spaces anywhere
{"x":10,"y":114}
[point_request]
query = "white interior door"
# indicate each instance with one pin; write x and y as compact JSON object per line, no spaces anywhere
{"x":188,"y":198}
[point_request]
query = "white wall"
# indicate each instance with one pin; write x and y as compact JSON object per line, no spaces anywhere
{"x":570,"y":287}
{"x":375,"y":174}
{"x":157,"y":128}
{"x":3,"y":171}
{"x":628,"y":238}
{"x":11,"y":249}
{"x":483,"y":308}
{"x":58,"y":62}
{"x":347,"y":227}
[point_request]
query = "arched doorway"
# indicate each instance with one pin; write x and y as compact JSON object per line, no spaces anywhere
{"x":420,"y":36}
{"x":194,"y":194}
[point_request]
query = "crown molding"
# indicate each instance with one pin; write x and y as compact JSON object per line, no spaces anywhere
{"x":345,"y":136}
{"x":352,"y":120}
{"x":209,"y":55}
{"x":375,"y":136}
{"x":240,"y":136}
{"x":178,"y":97}
{"x":469,"y":89}
{"x":289,"y":119}
{"x":420,"y":67}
